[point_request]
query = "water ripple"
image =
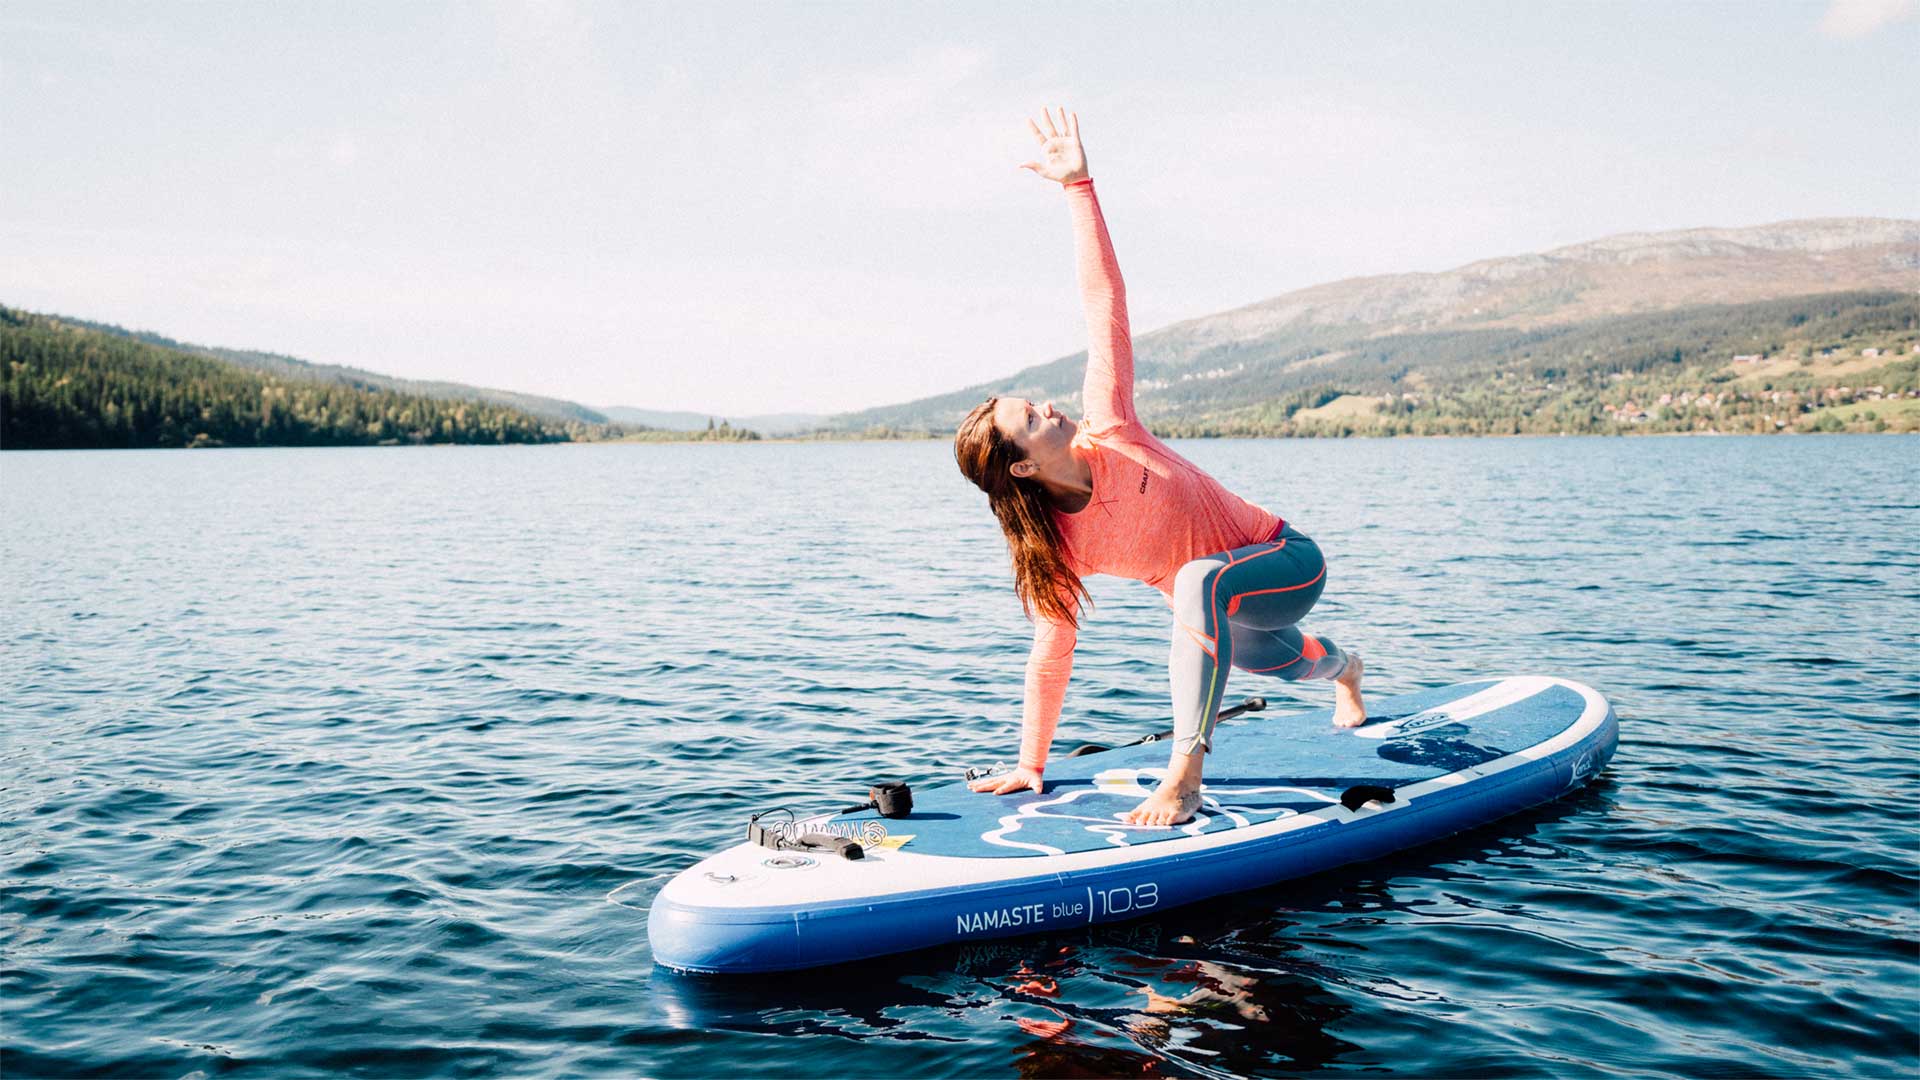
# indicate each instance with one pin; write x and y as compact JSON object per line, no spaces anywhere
{"x":324,"y":761}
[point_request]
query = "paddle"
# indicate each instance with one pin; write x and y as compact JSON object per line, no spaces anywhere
{"x":1252,"y":704}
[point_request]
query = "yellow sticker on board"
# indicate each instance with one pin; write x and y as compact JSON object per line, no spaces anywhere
{"x":896,"y":841}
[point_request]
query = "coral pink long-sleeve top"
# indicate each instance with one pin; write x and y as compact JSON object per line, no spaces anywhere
{"x":1152,"y":511}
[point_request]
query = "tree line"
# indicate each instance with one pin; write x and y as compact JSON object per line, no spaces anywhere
{"x":1579,"y":379}
{"x":1461,"y":379}
{"x":64,"y":386}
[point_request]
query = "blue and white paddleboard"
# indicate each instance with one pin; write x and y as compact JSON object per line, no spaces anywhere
{"x":966,"y":866}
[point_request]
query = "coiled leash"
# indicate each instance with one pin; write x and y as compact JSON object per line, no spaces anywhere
{"x":892,"y":798}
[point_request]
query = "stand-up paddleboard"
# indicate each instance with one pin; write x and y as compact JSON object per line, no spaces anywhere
{"x":965,"y":866}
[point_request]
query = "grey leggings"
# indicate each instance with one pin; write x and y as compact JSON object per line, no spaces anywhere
{"x":1255,"y":594}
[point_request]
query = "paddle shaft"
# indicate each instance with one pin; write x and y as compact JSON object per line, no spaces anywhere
{"x":1252,"y":704}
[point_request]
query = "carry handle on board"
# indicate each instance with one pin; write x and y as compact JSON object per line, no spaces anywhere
{"x":1360,"y":795}
{"x":1252,"y":704}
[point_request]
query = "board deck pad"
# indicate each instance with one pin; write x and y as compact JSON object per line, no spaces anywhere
{"x":968,"y":865}
{"x":1262,"y":767}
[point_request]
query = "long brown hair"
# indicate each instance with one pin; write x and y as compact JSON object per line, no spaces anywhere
{"x":1041,"y":576}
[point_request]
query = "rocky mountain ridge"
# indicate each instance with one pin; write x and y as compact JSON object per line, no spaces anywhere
{"x":1622,"y":276}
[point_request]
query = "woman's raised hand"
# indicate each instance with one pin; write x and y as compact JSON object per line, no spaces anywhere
{"x":1062,"y":159}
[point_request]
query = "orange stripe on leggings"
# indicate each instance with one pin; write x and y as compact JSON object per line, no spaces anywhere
{"x":1276,"y":667}
{"x":1208,"y":645}
{"x":1310,"y":649}
{"x":1233,"y":605}
{"x":1213,"y":591}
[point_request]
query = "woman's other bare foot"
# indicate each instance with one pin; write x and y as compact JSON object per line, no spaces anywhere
{"x":1177,"y":797}
{"x":1169,"y":804}
{"x":1348,"y":709}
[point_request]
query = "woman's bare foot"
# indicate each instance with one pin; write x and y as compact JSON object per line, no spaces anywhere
{"x":1170,"y":804}
{"x":1177,"y":797}
{"x":1348,"y":709}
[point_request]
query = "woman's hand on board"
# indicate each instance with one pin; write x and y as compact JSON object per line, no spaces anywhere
{"x":1062,"y":159}
{"x":1020,"y":779}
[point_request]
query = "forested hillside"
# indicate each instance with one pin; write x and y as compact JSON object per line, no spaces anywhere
{"x":65,"y":386}
{"x":1796,"y":326}
{"x":1539,"y":342}
{"x":294,"y":369}
{"x":1663,"y":372}
{"x":1802,"y":355}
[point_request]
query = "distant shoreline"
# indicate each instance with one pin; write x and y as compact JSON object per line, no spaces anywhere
{"x":781,"y":441}
{"x":767,"y":441}
{"x":1829,"y":363}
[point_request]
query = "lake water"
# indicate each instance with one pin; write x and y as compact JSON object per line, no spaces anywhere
{"x":325,"y":761}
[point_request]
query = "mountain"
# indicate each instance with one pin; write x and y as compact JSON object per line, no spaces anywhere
{"x":769,"y":424}
{"x":1396,"y":332}
{"x":68,"y":386}
{"x":1800,"y":325}
{"x":287,"y":367}
{"x":546,"y":408}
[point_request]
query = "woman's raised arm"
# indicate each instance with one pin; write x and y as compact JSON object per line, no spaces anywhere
{"x":1107,"y":395}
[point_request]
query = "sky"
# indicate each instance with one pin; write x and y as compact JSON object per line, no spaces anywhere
{"x":814,"y":207}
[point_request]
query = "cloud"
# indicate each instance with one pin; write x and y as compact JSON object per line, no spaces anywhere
{"x":1849,"y":19}
{"x":911,"y":132}
{"x":343,"y":151}
{"x":556,"y":32}
{"x":339,"y":149}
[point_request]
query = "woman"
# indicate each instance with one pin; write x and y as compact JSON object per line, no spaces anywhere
{"x":1105,"y":497}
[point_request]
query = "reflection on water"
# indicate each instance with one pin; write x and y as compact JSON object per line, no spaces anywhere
{"x":1110,"y":1001}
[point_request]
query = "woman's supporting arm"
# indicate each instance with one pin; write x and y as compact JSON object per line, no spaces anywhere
{"x":1049,"y":666}
{"x":1107,"y":395}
